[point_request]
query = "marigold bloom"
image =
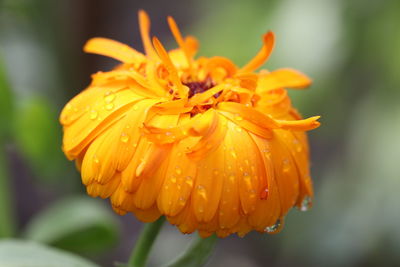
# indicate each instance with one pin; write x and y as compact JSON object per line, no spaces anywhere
{"x":213,"y":147}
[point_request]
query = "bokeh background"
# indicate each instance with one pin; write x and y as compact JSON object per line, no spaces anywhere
{"x":351,"y":49}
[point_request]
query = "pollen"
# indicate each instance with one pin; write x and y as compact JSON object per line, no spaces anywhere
{"x":213,"y":147}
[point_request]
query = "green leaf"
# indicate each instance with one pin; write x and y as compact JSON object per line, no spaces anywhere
{"x":15,"y":253}
{"x":197,"y":254}
{"x":6,"y":102}
{"x":6,"y":112}
{"x":78,"y":224}
{"x":38,"y":135}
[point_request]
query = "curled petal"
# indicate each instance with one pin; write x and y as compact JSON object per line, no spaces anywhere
{"x":113,"y":49}
{"x":263,"y":55}
{"x":282,"y":78}
{"x":300,"y":125}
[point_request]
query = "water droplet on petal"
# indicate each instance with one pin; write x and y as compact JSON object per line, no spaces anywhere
{"x":238,"y":118}
{"x":173,"y":179}
{"x":264,"y":193}
{"x":109,"y":97}
{"x":267,"y":152}
{"x":274,"y":228}
{"x":124,"y":138}
{"x":93,"y":114}
{"x":110,"y":106}
{"x":305,"y":204}
{"x":178,"y":170}
{"x":189,"y":180}
{"x":202,"y":192}
{"x":182,"y":201}
{"x":285,"y":165}
{"x":297,"y":145}
{"x":96,"y":159}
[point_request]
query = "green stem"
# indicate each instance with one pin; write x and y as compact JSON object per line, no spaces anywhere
{"x":197,"y":254}
{"x":144,"y":243}
{"x":6,"y":214}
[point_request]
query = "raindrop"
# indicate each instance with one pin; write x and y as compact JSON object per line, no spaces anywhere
{"x":124,"y":138}
{"x":96,"y":159}
{"x":93,"y":114}
{"x":178,"y":170}
{"x":109,"y":97}
{"x":109,"y":106}
{"x":305,"y":204}
{"x":182,"y":201}
{"x":297,"y":145}
{"x":273,"y":228}
{"x":189,"y":180}
{"x":238,"y":118}
{"x":267,"y":152}
{"x":285,"y":165}
{"x":264,"y":193}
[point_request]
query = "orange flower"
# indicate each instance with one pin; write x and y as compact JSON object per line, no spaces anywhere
{"x":213,"y":147}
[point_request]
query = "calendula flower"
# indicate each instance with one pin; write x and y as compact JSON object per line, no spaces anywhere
{"x":212,"y":146}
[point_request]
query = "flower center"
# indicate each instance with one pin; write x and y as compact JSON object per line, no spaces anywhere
{"x":199,"y":86}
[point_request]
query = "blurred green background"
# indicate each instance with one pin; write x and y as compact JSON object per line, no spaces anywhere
{"x":351,"y":49}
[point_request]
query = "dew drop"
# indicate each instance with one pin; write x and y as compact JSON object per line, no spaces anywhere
{"x":231,"y":178}
{"x":96,"y":159}
{"x":239,"y":129}
{"x":93,"y":114}
{"x":168,"y":133}
{"x":285,"y":165}
{"x":274,"y":228}
{"x":305,"y":204}
{"x":233,"y":153}
{"x":189,"y":180}
{"x":267,"y":152}
{"x":109,"y":97}
{"x":135,"y":107}
{"x":215,"y":172}
{"x":202,"y":192}
{"x":68,"y":106}
{"x":178,"y":170}
{"x":182,"y":201}
{"x":124,"y":138}
{"x":173,"y":179}
{"x":238,"y":118}
{"x":297,"y":145}
{"x":109,"y":106}
{"x":264,"y":193}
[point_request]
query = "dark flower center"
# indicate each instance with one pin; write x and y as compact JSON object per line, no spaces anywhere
{"x":199,"y":86}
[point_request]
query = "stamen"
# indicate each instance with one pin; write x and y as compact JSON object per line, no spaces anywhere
{"x":144,"y":26}
{"x":163,"y":54}
{"x":262,"y":55}
{"x":199,"y":86}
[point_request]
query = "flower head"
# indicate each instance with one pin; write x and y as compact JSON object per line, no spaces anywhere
{"x":214,"y":147}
